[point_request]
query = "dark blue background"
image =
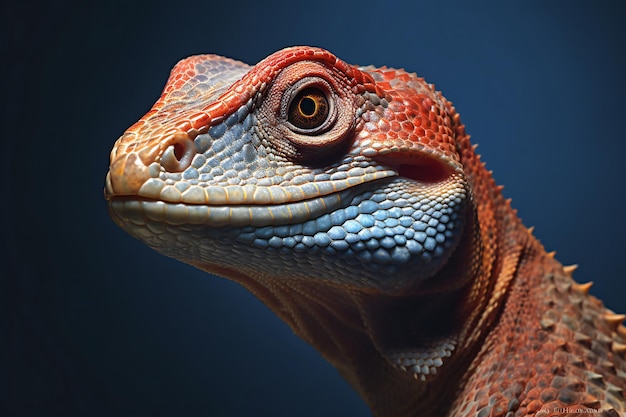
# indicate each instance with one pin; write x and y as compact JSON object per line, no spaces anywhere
{"x":96,"y":324}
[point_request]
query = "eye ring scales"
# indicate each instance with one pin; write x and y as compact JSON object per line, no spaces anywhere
{"x":301,"y":117}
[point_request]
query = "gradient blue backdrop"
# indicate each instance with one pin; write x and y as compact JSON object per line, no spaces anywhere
{"x":96,"y":324}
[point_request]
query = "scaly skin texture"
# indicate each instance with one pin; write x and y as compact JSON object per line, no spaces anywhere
{"x":351,"y":202}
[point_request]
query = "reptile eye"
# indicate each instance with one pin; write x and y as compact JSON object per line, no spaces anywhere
{"x":308,"y":113}
{"x":309,"y":109}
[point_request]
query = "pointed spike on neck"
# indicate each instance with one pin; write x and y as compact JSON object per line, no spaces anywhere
{"x":619,"y":349}
{"x":582,"y":288}
{"x":614,"y":320}
{"x":569,"y":269}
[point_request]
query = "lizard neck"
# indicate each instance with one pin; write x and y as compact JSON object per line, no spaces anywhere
{"x":358,"y":333}
{"x":348,"y":329}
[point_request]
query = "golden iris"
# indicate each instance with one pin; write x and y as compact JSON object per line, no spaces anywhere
{"x":308,"y":109}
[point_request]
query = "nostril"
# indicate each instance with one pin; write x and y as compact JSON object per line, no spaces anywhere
{"x":178,"y":156}
{"x":179,"y":151}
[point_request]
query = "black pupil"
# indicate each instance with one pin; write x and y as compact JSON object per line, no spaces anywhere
{"x":307,"y":106}
{"x":309,"y":109}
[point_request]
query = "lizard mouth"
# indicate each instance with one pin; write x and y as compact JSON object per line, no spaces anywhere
{"x":238,"y":206}
{"x":141,"y":210}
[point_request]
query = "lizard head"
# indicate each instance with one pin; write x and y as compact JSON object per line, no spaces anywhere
{"x":299,"y":167}
{"x":319,"y":186}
